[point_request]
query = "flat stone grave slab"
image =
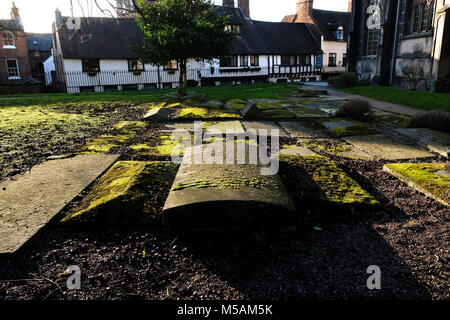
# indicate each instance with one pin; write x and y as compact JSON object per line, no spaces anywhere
{"x":264,"y":125}
{"x":336,"y":148}
{"x":435,"y":141}
{"x":300,"y":130}
{"x":384,"y":147}
{"x":188,"y":126}
{"x":302,"y":112}
{"x":228,"y":195}
{"x":324,"y":184}
{"x":159,"y":114}
{"x":215,"y":127}
{"x":126,"y":192}
{"x":296,"y":151}
{"x":431,"y":179}
{"x":271,"y":103}
{"x":29,"y":201}
{"x":280,"y":113}
{"x":348,"y":127}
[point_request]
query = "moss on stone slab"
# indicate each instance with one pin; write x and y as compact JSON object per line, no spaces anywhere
{"x":235,"y":104}
{"x":126,"y":190}
{"x":433,"y":179}
{"x":355,"y":130}
{"x":331,"y":183}
{"x":277,"y":114}
{"x":122,"y":131}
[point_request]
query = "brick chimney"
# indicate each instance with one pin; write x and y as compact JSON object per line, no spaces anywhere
{"x":304,"y":11}
{"x":245,"y":6}
{"x":228,"y":3}
{"x":349,"y":6}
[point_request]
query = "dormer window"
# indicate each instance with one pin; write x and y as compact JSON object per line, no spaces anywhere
{"x":8,"y":40}
{"x":235,"y":28}
{"x":340,"y":34}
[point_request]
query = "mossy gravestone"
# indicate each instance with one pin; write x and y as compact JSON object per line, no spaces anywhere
{"x":127,"y":192}
{"x":227,"y":195}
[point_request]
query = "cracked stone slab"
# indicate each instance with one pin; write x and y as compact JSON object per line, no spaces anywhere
{"x":159,"y":114}
{"x":227,"y":195}
{"x":432,"y":140}
{"x":29,"y":201}
{"x":263,"y":125}
{"x":384,"y":147}
{"x":299,"y":130}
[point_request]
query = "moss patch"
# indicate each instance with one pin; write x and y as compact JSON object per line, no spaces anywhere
{"x":123,"y":131}
{"x":355,"y":130}
{"x":277,"y":114}
{"x":235,"y":104}
{"x":272,"y":104}
{"x":205,"y":113}
{"x":126,"y":191}
{"x":328,"y":182}
{"x":430,"y":178}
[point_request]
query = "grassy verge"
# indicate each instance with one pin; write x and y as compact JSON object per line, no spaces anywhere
{"x":414,"y":99}
{"x":222,"y":93}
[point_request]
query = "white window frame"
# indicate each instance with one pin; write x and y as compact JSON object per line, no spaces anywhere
{"x":17,"y":67}
{"x":8,"y":46}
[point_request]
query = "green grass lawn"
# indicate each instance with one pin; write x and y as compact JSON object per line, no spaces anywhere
{"x":414,"y":99}
{"x":257,"y":91}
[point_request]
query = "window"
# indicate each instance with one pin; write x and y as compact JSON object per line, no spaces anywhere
{"x":229,"y":61}
{"x":172,"y":65}
{"x":286,"y":60}
{"x":8,"y":39}
{"x":135,"y":65}
{"x":340,"y":34}
{"x":13,"y":69}
{"x":416,"y":20}
{"x":90,"y":65}
{"x":372,"y":42}
{"x":344,"y":59}
{"x":244,"y":61}
{"x":233,"y":28}
{"x":254,"y":61}
{"x":332,"y":60}
{"x":418,"y":17}
{"x":304,"y":60}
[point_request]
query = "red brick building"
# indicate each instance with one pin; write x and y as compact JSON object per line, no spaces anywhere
{"x":14,"y":59}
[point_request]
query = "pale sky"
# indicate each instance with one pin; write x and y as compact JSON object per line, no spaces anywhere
{"x":38,"y":15}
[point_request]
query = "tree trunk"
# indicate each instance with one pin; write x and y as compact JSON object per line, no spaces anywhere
{"x":182,"y":80}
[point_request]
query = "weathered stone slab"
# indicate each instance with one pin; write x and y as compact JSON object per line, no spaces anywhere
{"x":215,"y":127}
{"x":383,"y":147}
{"x":296,"y":151}
{"x":188,"y":126}
{"x":432,"y":179}
{"x":300,"y":112}
{"x":228,"y":195}
{"x":125,"y":192}
{"x":326,"y":185}
{"x":159,"y":114}
{"x":250,"y":110}
{"x":433,"y":140}
{"x":348,"y":128}
{"x":264,"y":125}
{"x":30,"y":200}
{"x":299,"y":130}
{"x":336,"y":148}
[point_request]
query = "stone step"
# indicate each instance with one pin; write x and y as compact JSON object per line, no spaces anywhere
{"x":31,"y":200}
{"x":384,"y":147}
{"x":221,"y":196}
